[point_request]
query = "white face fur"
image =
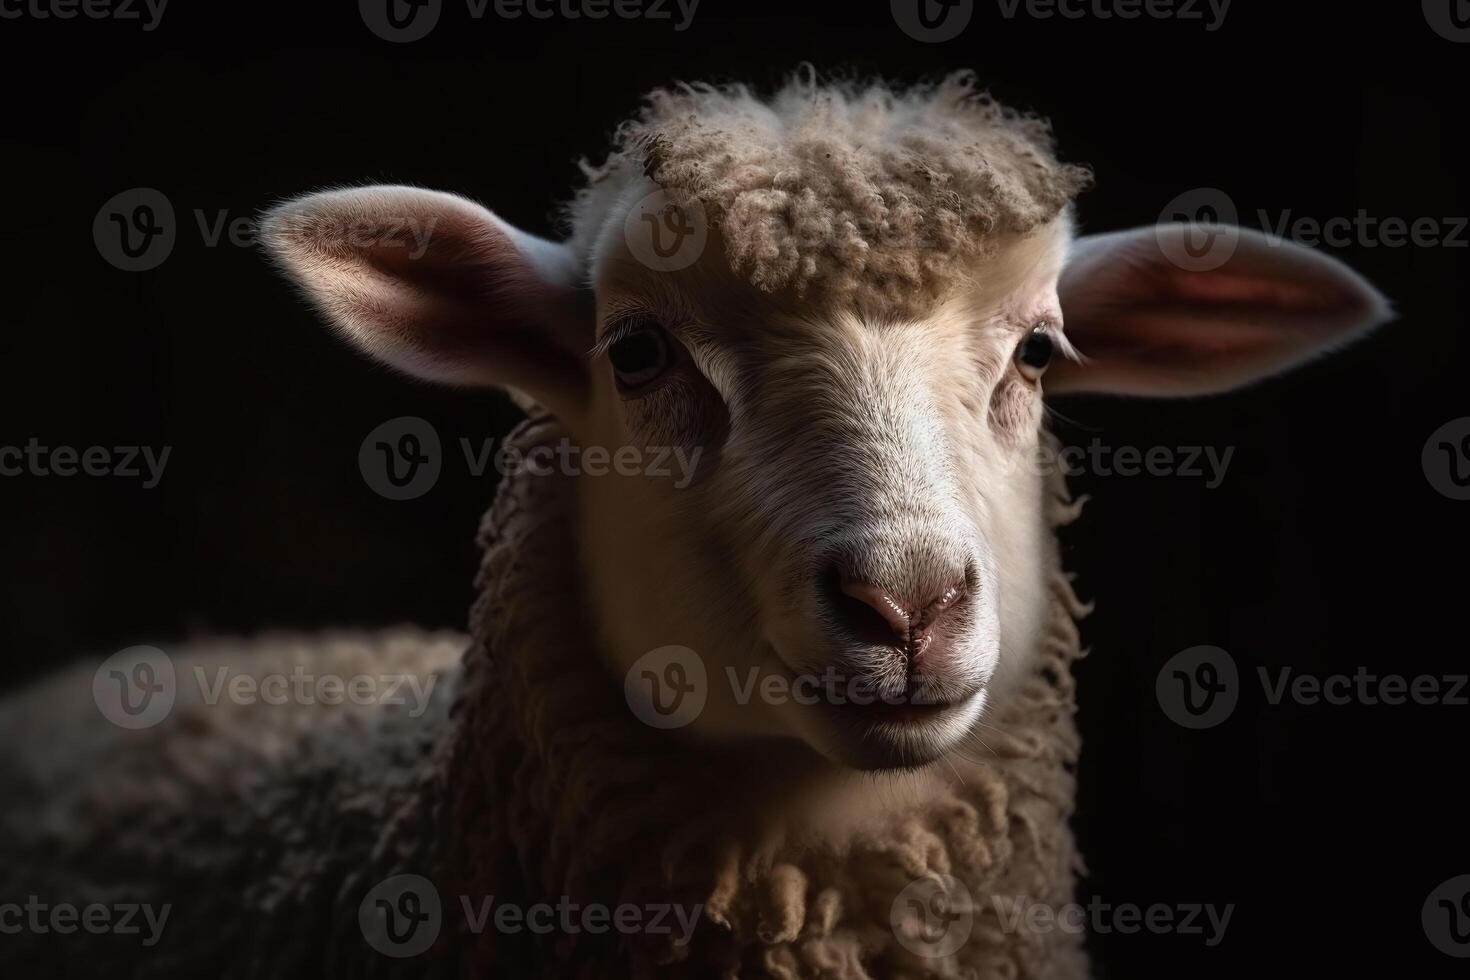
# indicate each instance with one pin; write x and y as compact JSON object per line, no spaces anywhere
{"x":859,"y":554}
{"x":836,"y":450}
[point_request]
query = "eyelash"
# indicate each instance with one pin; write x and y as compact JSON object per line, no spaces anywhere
{"x":614,"y":332}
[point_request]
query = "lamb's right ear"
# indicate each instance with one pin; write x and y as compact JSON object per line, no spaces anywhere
{"x":440,"y":288}
{"x":1150,"y":320}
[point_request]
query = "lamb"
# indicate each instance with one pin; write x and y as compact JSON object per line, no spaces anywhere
{"x":816,"y":705}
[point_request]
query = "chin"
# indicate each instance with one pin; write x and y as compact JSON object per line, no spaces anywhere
{"x":882,"y":738}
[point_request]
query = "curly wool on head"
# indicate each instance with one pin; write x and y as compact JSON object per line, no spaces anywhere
{"x":843,"y":187}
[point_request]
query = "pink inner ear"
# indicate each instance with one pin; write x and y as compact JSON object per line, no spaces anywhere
{"x":467,"y":295}
{"x":1229,"y":287}
{"x":1147,"y":326}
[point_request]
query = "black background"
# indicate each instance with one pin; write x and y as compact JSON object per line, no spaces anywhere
{"x":1325,"y":549}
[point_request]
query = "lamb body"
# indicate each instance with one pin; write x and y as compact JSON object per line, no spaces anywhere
{"x":857,"y":349}
{"x":259,"y":830}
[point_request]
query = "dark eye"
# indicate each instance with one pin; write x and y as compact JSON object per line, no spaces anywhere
{"x":640,"y":355}
{"x":1034,"y":352}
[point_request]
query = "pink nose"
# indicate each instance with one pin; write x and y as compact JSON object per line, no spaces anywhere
{"x":911,"y":623}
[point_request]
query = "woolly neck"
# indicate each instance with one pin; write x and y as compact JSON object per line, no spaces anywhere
{"x":553,"y":791}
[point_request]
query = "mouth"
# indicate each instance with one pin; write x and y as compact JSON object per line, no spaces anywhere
{"x":863,"y":724}
{"x":881,"y":713}
{"x":898,"y":734}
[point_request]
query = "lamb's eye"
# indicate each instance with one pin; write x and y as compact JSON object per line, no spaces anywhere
{"x":1034,"y":351}
{"x":640,"y":355}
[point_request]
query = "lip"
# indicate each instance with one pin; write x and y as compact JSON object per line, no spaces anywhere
{"x":895,"y":736}
{"x":882,"y":712}
{"x":906,"y":731}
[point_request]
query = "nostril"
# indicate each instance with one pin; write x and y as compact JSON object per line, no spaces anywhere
{"x":867,"y":623}
{"x":935,"y":610}
{"x":896,"y":616}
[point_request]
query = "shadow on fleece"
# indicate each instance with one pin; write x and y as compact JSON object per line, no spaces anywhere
{"x":528,"y":779}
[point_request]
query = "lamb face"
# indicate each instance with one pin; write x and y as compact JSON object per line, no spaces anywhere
{"x":858,"y":554}
{"x":863,"y":539}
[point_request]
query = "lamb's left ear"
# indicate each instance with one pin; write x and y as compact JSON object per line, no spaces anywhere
{"x":1147,"y":324}
{"x":440,"y":288}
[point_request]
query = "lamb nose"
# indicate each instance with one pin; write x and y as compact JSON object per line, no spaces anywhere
{"x":910,"y":622}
